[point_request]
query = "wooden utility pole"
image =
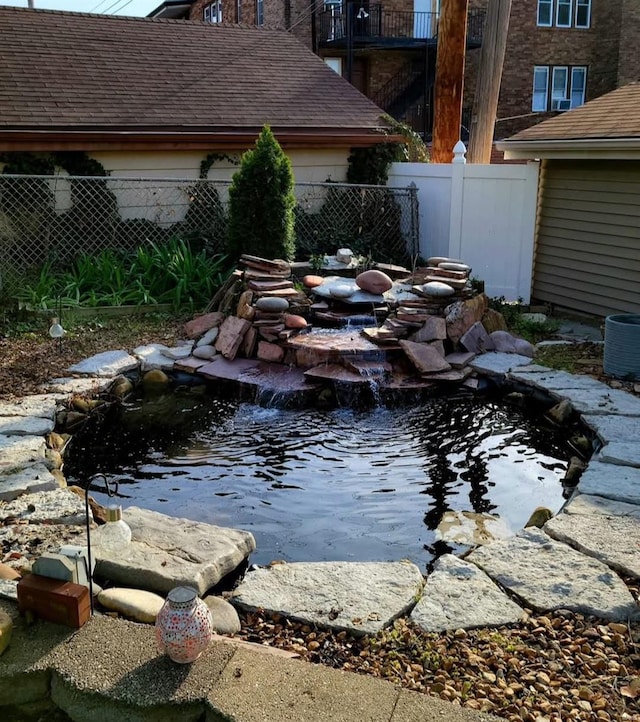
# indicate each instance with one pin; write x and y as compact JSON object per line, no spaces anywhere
{"x":485,"y":102}
{"x":449,"y":84}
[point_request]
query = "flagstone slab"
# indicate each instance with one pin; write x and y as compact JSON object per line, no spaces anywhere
{"x":17,"y":452}
{"x":361,"y":597}
{"x":613,"y":427}
{"x":623,"y":453}
{"x":167,"y":552}
{"x":602,"y":401}
{"x":67,"y":386}
{"x":41,"y":405}
{"x":9,"y":589}
{"x":499,"y":363}
{"x":58,"y":506}
{"x":558,"y":380}
{"x":153,"y":356}
{"x":27,"y":481}
{"x":604,"y":529}
{"x":458,"y":595}
{"x":621,"y":483}
{"x":547,"y":575}
{"x":25,"y":426}
{"x":108,"y":363}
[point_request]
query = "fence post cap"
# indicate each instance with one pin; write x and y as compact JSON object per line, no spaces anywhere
{"x":459,"y":152}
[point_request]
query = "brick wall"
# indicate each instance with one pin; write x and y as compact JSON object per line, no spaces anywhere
{"x":629,"y":55}
{"x":529,"y":45}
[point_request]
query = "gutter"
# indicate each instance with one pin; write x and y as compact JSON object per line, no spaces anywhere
{"x":613,"y":148}
{"x":99,"y":140}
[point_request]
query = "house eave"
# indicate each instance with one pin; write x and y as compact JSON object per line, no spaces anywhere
{"x":41,"y":139}
{"x":578,"y":148}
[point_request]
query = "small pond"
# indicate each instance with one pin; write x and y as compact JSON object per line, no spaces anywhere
{"x":335,"y":484}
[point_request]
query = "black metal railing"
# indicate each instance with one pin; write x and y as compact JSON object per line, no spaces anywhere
{"x":397,"y":89}
{"x":372,"y":22}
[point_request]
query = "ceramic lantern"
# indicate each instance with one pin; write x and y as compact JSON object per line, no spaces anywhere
{"x":183,"y":626}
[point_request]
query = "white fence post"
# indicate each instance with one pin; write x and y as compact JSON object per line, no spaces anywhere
{"x":457,"y":200}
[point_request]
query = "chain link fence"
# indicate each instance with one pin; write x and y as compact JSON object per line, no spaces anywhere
{"x":58,"y":218}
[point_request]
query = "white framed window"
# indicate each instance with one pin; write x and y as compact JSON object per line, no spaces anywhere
{"x":558,"y":87}
{"x":259,"y":12}
{"x":583,"y":14}
{"x":213,"y":12}
{"x":540,"y":88}
{"x":564,"y":13}
{"x":545,"y":13}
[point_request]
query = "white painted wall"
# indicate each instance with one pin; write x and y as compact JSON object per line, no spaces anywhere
{"x":482,"y":214}
{"x":310,"y":166}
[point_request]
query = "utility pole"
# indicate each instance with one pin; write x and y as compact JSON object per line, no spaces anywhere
{"x":485,"y":102}
{"x":449,"y":84}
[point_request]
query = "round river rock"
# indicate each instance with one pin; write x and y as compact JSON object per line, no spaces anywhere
{"x":374,"y":281}
{"x":272,"y":304}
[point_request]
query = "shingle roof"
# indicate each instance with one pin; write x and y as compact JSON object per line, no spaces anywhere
{"x":614,"y":115}
{"x":65,"y":71}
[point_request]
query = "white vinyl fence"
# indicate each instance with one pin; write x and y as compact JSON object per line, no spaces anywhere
{"x":482,"y":214}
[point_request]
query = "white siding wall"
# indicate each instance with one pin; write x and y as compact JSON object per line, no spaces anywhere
{"x":482,"y":214}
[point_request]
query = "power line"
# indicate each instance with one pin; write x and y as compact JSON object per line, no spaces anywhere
{"x":122,"y":7}
{"x":102,"y":2}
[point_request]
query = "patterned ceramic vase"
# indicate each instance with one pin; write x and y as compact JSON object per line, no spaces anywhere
{"x":183,"y":626}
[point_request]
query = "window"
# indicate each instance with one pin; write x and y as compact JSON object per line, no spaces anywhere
{"x":213,"y":12}
{"x":583,"y":13}
{"x":564,"y":13}
{"x":259,"y":12}
{"x":545,"y":12}
{"x":335,"y":64}
{"x":558,"y":87}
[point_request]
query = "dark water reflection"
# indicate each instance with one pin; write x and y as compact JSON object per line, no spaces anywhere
{"x":328,"y":485}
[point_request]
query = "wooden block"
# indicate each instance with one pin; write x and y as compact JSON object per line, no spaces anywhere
{"x":54,"y":600}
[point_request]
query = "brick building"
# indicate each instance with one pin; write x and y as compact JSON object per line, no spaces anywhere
{"x":560,"y":53}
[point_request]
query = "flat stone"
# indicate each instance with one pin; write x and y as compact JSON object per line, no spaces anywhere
{"x":433,"y":329}
{"x":456,"y":376}
{"x":28,"y":481}
{"x":108,"y":363}
{"x":604,"y":400}
{"x":604,"y":529}
{"x":459,"y":360}
{"x":69,"y":385}
{"x":424,"y":357}
{"x":176,"y":353}
{"x":461,"y":315}
{"x":134,"y":604}
{"x":357,"y":295}
{"x":457,"y":595}
{"x":270,"y":352}
{"x":503,"y":341}
{"x":25,"y":426}
{"x":471,"y":528}
{"x":41,"y":405}
{"x":621,"y":483}
{"x":190,"y":365}
{"x":224,"y":616}
{"x":361,"y":597}
{"x":18,"y":452}
{"x":613,"y":427}
{"x":336,"y":372}
{"x":152,"y":356}
{"x":499,"y":363}
{"x":168,"y":552}
{"x":231,"y":334}
{"x":549,"y":575}
{"x":59,"y":506}
{"x":477,"y":340}
{"x":201,"y":324}
{"x":624,"y":453}
{"x":559,"y":380}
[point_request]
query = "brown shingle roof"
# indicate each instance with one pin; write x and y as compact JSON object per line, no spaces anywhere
{"x":85,"y":72}
{"x":614,"y":115}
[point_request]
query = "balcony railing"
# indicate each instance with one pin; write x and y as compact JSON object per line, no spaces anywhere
{"x":372,"y":22}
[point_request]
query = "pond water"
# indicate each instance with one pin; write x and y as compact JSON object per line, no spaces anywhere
{"x":335,"y":484}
